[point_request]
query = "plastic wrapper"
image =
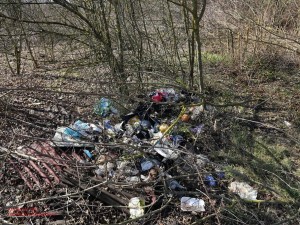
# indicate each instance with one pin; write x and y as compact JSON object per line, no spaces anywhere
{"x":136,"y":209}
{"x":192,"y":204}
{"x":104,"y":108}
{"x":147,"y":164}
{"x":244,"y":190}
{"x":166,"y":152}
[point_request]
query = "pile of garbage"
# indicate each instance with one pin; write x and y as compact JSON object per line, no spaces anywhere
{"x":148,"y":152}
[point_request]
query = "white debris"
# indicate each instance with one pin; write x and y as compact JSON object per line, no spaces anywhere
{"x":192,"y":204}
{"x":196,"y":111}
{"x":136,"y":209}
{"x":202,"y":160}
{"x":133,"y":179}
{"x":166,"y":151}
{"x":287,"y":123}
{"x":244,"y":190}
{"x":61,"y":139}
{"x":103,"y":169}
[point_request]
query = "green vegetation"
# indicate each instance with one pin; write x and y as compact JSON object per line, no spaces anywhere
{"x":215,"y":59}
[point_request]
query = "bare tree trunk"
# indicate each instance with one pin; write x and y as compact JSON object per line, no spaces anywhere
{"x":175,"y":37}
{"x":18,"y":55}
{"x":196,"y":28}
{"x":28,"y":45}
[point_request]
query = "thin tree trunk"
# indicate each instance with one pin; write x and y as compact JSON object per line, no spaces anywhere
{"x":196,"y":26}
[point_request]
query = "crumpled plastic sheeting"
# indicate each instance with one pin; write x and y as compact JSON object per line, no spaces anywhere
{"x":104,"y":108}
{"x":136,"y":207}
{"x":62,"y":139}
{"x":166,"y":151}
{"x":244,"y":190}
{"x":192,"y":204}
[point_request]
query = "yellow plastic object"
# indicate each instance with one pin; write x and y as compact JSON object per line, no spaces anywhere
{"x":163,"y":128}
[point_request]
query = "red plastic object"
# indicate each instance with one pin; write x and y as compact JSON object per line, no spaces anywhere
{"x":158,"y":97}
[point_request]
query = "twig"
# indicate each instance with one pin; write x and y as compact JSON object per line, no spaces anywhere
{"x":204,"y":218}
{"x":58,"y":197}
{"x":270,"y":126}
{"x":263,"y":124}
{"x":289,"y":219}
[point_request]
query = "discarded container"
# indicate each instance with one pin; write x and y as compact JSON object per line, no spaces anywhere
{"x":169,"y":94}
{"x":156,"y":138}
{"x":192,"y":204}
{"x":244,"y":190}
{"x":136,"y":126}
{"x":136,"y":209}
{"x":108,"y":125}
{"x":104,"y":108}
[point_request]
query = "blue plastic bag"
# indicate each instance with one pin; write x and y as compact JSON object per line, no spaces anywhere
{"x":210,"y":181}
{"x":104,"y":108}
{"x":78,"y":129}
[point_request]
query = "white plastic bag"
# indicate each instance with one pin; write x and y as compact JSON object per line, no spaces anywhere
{"x":166,"y":151}
{"x":244,"y":190}
{"x":136,"y":209}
